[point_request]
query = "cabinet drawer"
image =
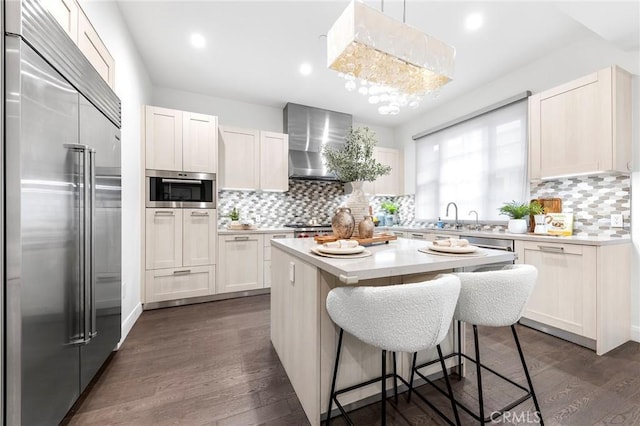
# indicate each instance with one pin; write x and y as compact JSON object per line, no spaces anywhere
{"x":276,"y":235}
{"x":179,"y":283}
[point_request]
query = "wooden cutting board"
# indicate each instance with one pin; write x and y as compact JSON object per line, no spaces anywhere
{"x":376,"y":239}
{"x":550,"y":205}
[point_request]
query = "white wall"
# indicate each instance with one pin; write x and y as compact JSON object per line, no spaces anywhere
{"x":563,"y":65}
{"x":243,"y":114}
{"x":133,"y":87}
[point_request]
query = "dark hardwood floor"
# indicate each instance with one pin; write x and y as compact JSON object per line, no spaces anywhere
{"x":213,"y":364}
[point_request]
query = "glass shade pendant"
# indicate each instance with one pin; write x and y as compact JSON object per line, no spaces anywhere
{"x":395,"y":63}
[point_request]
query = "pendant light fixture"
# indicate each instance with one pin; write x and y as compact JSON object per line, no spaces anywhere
{"x":393,"y":64}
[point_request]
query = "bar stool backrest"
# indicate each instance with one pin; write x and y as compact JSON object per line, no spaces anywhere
{"x":495,"y":298}
{"x":399,"y":318}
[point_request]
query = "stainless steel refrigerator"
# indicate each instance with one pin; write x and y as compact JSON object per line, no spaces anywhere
{"x":62,"y":218}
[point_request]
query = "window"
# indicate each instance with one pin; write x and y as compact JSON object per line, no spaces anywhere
{"x":479,"y":164}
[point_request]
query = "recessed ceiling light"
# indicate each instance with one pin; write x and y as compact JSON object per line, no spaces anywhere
{"x":197,"y":40}
{"x":305,"y":68}
{"x":474,"y":21}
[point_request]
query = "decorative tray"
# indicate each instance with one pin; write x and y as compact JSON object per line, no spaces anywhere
{"x":376,"y":239}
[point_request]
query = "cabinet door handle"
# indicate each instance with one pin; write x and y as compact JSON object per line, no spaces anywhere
{"x":182,"y":272}
{"x":279,"y":236}
{"x":442,"y":237}
{"x":199,"y":213}
{"x":418,"y":236}
{"x":241,"y":238}
{"x":551,"y":249}
{"x":164,"y":213}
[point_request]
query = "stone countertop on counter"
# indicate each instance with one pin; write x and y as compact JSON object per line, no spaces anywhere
{"x":225,"y":231}
{"x":400,"y":257}
{"x":582,"y":240}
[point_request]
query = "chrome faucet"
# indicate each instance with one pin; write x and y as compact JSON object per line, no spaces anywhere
{"x":477,"y":225}
{"x":457,"y":224}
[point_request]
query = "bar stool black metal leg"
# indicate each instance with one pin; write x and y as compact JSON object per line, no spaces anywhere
{"x":459,"y":350}
{"x":383,"y":409}
{"x":526,"y":373}
{"x":479,"y":373}
{"x":395,"y":379}
{"x":413,"y":371}
{"x":335,"y":375}
{"x":454,"y":407}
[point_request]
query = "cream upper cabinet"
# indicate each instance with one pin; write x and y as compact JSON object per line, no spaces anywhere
{"x":274,"y":161}
{"x":163,"y":134}
{"x":198,"y":237}
{"x":180,"y":140}
{"x":94,"y":49}
{"x":240,"y":266}
{"x":581,"y":289}
{"x":66,"y":13}
{"x":239,"y":158}
{"x":253,"y":159}
{"x":163,"y":235}
{"x":75,"y":23}
{"x":391,"y":184}
{"x":200,"y":143}
{"x":581,"y":127}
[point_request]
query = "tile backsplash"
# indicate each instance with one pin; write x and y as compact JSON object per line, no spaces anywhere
{"x":592,"y":199}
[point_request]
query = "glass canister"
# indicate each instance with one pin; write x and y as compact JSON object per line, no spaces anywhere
{"x":343,"y":223}
{"x":365,"y":227}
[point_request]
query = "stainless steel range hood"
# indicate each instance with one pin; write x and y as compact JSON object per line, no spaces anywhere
{"x":309,"y":130}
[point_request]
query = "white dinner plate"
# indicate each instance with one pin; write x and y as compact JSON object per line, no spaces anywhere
{"x":454,"y":249}
{"x":340,"y":250}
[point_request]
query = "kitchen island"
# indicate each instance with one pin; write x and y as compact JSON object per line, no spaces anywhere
{"x":303,"y":334}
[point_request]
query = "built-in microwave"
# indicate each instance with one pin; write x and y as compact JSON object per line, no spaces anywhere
{"x":170,"y":189}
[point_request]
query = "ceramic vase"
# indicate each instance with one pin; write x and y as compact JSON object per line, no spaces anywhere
{"x":365,"y":227}
{"x":358,"y":203}
{"x":343,"y":223}
{"x":517,"y":226}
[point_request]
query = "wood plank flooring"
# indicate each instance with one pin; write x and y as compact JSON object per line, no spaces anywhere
{"x":213,"y":364}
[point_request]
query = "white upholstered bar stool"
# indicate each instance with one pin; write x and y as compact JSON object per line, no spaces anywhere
{"x":495,"y":298}
{"x":396,"y":318}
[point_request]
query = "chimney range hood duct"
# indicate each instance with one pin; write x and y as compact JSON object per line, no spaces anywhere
{"x":309,"y":129}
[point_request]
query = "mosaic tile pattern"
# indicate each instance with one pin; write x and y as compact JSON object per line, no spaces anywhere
{"x":592,"y":200}
{"x":304,"y":200}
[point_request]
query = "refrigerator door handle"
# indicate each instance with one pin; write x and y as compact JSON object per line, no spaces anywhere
{"x":77,"y":147}
{"x":83,"y":335}
{"x":92,"y":244}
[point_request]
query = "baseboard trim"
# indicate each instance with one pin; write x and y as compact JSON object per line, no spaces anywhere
{"x":128,"y":323}
{"x":635,"y":333}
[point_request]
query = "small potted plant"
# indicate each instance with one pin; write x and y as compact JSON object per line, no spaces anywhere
{"x":392,"y":209}
{"x":518,"y":212}
{"x":234,"y":215}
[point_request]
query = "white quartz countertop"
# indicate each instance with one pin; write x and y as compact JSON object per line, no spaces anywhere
{"x":399,"y":257}
{"x":224,"y":231}
{"x":582,"y":240}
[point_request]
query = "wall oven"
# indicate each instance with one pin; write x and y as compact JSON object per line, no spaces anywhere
{"x":171,"y":189}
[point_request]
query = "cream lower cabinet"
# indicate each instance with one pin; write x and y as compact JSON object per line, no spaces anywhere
{"x":240,"y":263}
{"x":581,"y":289}
{"x":267,"y":255}
{"x":180,"y":253}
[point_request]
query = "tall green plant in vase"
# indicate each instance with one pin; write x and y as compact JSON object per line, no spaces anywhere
{"x":354,"y":163}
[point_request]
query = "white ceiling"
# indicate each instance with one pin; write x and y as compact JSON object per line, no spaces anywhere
{"x":254,"y":48}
